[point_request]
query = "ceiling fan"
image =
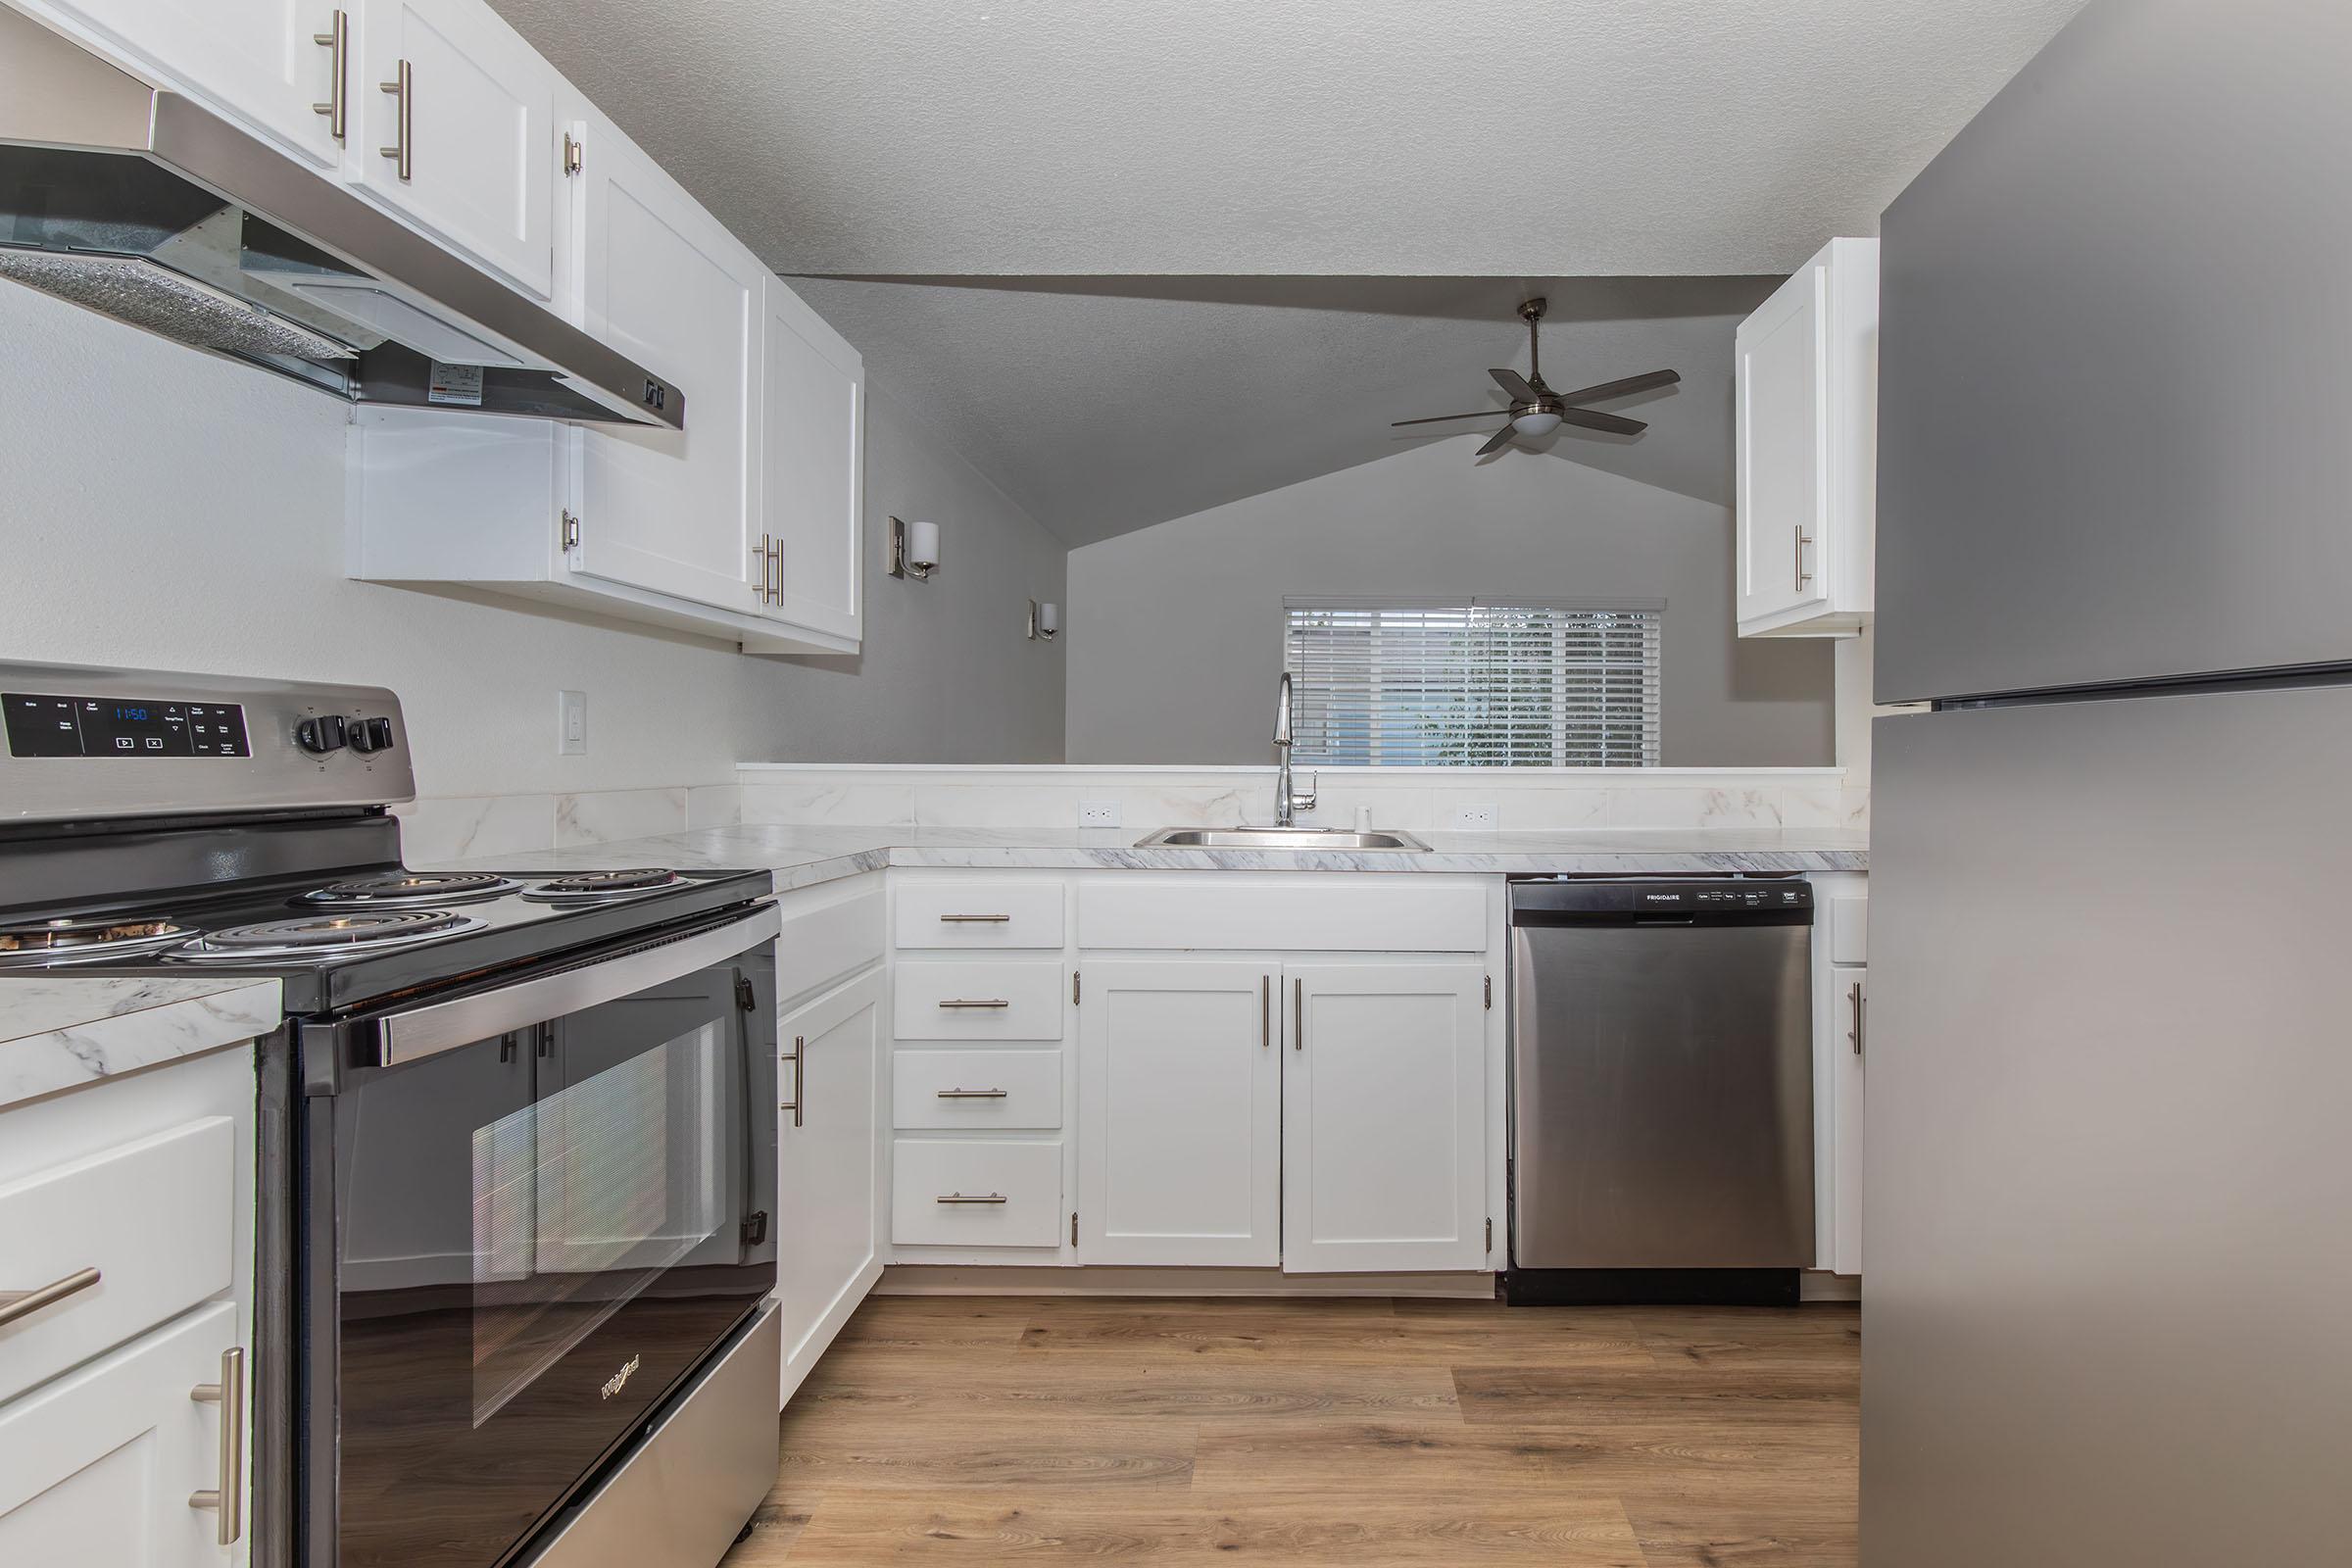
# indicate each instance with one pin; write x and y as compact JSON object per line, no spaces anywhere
{"x":1537,"y":410}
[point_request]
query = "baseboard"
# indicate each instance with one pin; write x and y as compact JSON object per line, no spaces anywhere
{"x":1823,"y":1285}
{"x":930,"y":1279}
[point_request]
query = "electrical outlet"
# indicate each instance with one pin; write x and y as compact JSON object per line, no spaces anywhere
{"x":1474,"y":814}
{"x":571,"y":723}
{"x":1098,"y":813}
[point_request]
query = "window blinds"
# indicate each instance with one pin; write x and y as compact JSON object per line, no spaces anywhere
{"x":1486,"y":683}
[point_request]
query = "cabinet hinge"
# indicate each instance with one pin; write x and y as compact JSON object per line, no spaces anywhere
{"x":745,"y":997}
{"x":1074,"y":988}
{"x":1073,"y":1227}
{"x":574,"y":153}
{"x":1490,"y":1235}
{"x":754,"y":1229}
{"x":1490,"y":1009}
{"x":571,"y":531}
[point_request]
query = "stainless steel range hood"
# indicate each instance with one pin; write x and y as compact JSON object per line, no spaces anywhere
{"x":142,"y":204}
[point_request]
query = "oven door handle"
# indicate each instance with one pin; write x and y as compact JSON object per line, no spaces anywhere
{"x":427,"y":1031}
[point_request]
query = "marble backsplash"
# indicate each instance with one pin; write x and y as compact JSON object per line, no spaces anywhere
{"x":1415,"y":798}
{"x":441,"y":829}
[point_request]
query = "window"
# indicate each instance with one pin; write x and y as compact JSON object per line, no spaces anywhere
{"x":1481,"y":683}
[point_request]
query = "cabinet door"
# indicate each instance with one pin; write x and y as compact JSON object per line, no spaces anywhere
{"x":258,"y":61}
{"x":813,"y":455}
{"x":658,"y":279}
{"x":1384,"y":1118}
{"x":1179,"y":1113}
{"x":476,"y":166}
{"x":97,"y":1467}
{"x":1852,"y":1001}
{"x":828,"y":1166}
{"x":1783,"y":404}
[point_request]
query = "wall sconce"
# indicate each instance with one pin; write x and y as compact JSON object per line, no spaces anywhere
{"x":913,"y":549}
{"x":1044,"y":622}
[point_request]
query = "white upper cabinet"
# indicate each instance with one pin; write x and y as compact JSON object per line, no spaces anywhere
{"x":657,"y":279}
{"x":1383,"y":1107}
{"x":1806,"y":404}
{"x":813,"y":413}
{"x":452,"y":125}
{"x":257,"y":60}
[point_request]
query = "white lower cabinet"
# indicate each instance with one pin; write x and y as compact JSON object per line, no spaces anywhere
{"x":1384,"y":1118}
{"x":953,"y":1192}
{"x":1179,"y":1113}
{"x":828,"y":1166}
{"x":1850,"y":1001}
{"x":100,"y":1467}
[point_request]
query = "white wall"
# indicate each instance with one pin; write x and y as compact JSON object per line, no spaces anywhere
{"x":161,"y":508}
{"x":1175,"y":631}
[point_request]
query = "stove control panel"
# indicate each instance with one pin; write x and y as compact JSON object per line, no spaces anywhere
{"x":43,"y":725}
{"x":204,"y":744}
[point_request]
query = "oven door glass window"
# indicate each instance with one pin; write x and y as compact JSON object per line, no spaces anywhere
{"x":540,"y":1235}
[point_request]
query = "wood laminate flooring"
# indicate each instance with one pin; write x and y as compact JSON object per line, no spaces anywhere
{"x":1345,"y":1432}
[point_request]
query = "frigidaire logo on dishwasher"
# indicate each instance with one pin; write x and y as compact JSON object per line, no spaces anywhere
{"x":620,"y":1379}
{"x":1663,"y":898}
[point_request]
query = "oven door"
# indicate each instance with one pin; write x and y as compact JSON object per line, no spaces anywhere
{"x":530,"y":1212}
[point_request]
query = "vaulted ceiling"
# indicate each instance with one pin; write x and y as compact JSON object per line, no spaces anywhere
{"x":1560,"y":138}
{"x":1134,"y":257}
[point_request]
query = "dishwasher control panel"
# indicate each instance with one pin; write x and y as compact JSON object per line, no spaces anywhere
{"x":1634,"y":900}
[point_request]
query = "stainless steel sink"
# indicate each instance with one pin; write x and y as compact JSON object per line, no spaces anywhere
{"x":1276,"y":837}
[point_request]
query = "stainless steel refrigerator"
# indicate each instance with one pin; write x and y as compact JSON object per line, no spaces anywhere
{"x":2108,"y":1178}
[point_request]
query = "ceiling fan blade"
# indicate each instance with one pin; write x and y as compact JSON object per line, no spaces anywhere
{"x":1440,"y":419}
{"x":1515,"y":384}
{"x":1615,"y":425}
{"x":1618,"y":389}
{"x":1499,"y":440}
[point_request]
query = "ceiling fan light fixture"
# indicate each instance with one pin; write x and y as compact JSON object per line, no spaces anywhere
{"x":1535,"y":421}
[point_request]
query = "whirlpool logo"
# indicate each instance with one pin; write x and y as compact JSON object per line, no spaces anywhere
{"x":620,"y":1379}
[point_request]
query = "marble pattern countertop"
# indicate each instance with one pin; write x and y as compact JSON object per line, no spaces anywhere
{"x":61,"y":1030}
{"x":804,"y":857}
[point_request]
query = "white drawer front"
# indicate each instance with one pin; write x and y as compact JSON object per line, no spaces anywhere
{"x":979,"y":999}
{"x":976,"y":912}
{"x":970,"y":1194}
{"x":1344,"y":915}
{"x":154,"y":1218}
{"x":1850,"y":928}
{"x":966,"y":1088}
{"x":827,"y":936}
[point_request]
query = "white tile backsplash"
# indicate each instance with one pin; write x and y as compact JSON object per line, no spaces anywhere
{"x":439,"y":830}
{"x":606,"y":815}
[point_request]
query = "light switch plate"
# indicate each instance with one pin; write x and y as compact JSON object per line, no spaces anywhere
{"x":1098,"y":813}
{"x":571,"y":723}
{"x":1475,"y":815}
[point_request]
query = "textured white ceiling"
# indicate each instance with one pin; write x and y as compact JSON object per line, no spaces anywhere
{"x":1104,"y":405}
{"x":1574,"y":137}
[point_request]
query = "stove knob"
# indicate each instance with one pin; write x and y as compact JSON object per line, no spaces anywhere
{"x":323,"y":734}
{"x":370,"y":734}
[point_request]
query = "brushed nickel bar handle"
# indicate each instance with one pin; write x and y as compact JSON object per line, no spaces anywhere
{"x":767,"y":559}
{"x":993,"y":1002}
{"x":402,"y":152}
{"x":971,"y":1094}
{"x":1265,"y":1012}
{"x":978,"y":1197}
{"x":336,"y":108}
{"x":1802,"y":575}
{"x":1853,"y":994}
{"x":799,"y":1045}
{"x":775,"y":569}
{"x":1298,"y":1015}
{"x":230,"y":1394}
{"x":973,"y":919}
{"x":17,"y":1304}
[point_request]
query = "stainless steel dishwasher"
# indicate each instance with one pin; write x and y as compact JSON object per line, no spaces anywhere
{"x":1661,"y":1090}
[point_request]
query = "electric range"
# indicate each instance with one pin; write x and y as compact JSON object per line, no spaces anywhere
{"x":517,"y":1133}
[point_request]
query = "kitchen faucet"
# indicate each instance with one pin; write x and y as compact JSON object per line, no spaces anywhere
{"x":1288,"y":803}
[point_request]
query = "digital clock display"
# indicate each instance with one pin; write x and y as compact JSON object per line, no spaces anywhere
{"x":43,"y":725}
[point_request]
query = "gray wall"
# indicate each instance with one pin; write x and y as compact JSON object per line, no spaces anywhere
{"x":948,"y":673}
{"x":160,"y":508}
{"x":1175,"y":632}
